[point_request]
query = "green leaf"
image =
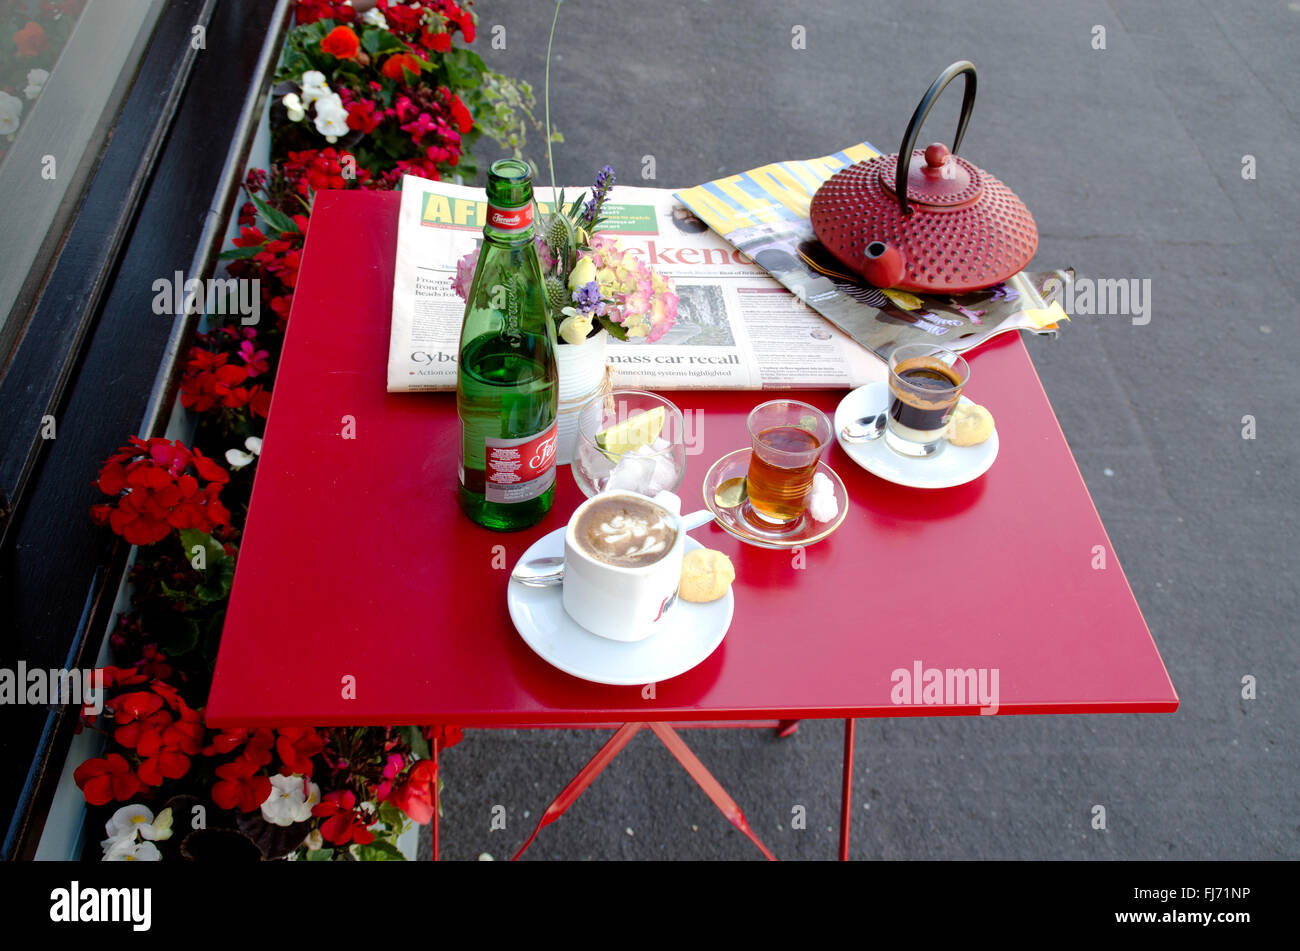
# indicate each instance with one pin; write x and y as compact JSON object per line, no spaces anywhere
{"x":218,"y":570}
{"x":392,"y":817}
{"x":320,"y":855}
{"x":276,"y":219}
{"x":615,"y":330}
{"x":240,"y":252}
{"x":380,"y":850}
{"x":413,"y":738}
{"x":184,"y":639}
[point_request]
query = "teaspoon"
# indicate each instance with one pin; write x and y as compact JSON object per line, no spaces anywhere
{"x":865,"y":429}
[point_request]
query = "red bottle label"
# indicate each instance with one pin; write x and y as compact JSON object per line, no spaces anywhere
{"x":510,"y":219}
{"x":520,"y":469}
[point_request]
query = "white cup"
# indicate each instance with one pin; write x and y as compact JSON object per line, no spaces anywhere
{"x":622,"y":603}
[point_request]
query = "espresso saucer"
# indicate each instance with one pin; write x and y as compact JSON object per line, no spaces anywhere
{"x":740,"y":521}
{"x":692,"y":631}
{"x":953,"y":465}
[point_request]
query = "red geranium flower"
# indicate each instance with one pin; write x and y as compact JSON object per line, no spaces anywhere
{"x":31,"y":40}
{"x":418,"y":796}
{"x":296,"y":747}
{"x":400,"y":18}
{"x":395,"y":64}
{"x":460,"y":112}
{"x":438,"y":42}
{"x":249,"y":237}
{"x":103,"y":780}
{"x":362,"y":116}
{"x":341,"y":42}
{"x":343,"y":821}
{"x":240,"y":786}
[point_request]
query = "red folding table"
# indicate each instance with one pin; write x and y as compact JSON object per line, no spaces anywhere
{"x":356,"y":563}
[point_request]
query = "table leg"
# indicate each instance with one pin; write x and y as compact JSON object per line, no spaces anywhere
{"x":677,"y":746}
{"x":437,"y":789}
{"x":584,"y":779}
{"x":846,"y":791}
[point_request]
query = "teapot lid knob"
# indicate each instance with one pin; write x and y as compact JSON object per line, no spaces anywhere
{"x":936,"y":154}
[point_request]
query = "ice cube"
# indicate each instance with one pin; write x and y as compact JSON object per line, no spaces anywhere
{"x":632,"y":474}
{"x":664,"y":476}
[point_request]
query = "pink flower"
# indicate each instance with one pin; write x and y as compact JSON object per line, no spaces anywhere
{"x":422,"y":124}
{"x":255,"y":360}
{"x":465,"y":274}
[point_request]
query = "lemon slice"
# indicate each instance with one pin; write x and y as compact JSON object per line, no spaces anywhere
{"x":633,"y":433}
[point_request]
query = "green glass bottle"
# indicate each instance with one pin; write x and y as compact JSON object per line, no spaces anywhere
{"x":506,"y":392}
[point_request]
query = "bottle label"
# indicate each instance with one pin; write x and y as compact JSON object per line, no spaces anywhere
{"x":520,"y":469}
{"x":510,"y":219}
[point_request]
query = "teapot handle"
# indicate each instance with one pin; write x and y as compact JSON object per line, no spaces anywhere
{"x":918,"y":117}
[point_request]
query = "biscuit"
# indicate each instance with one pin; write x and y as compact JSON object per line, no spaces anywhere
{"x":971,"y":425}
{"x":706,"y":575}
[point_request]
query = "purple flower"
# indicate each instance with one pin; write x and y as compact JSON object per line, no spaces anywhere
{"x":591,"y":210}
{"x":587,"y":297}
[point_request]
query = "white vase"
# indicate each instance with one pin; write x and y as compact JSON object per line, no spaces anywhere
{"x":582,"y":376}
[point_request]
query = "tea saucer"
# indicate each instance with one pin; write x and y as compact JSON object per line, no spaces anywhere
{"x":693,"y":632}
{"x":955,"y":465}
{"x":733,"y":520}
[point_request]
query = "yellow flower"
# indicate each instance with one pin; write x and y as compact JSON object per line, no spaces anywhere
{"x":575,"y":326}
{"x":584,"y":272}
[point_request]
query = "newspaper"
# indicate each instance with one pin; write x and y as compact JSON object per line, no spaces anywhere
{"x":765,"y":213}
{"x":737,"y":327}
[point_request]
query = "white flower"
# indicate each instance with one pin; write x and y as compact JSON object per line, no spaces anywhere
{"x":35,"y":80}
{"x":126,"y":850}
{"x":313,"y":87}
{"x":137,"y":822}
{"x":331,"y":117}
{"x":293,"y":105}
{"x":375,"y":17}
{"x":290,"y":801}
{"x":238,"y":458}
{"x":314,"y":840}
{"x":11,"y":109}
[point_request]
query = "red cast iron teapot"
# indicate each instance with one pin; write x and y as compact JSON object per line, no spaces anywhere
{"x":934,"y":224}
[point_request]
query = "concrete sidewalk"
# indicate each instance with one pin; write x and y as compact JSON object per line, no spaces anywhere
{"x":1136,"y":160}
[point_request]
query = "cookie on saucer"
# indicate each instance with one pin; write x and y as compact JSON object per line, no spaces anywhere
{"x":971,"y":425}
{"x":706,"y":575}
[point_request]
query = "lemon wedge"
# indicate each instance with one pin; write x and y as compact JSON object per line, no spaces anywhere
{"x":633,"y":433}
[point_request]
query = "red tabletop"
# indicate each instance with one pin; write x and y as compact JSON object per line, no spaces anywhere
{"x":364,"y":597}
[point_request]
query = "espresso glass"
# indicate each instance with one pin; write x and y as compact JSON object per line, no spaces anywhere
{"x":788,"y":438}
{"x":925,"y":384}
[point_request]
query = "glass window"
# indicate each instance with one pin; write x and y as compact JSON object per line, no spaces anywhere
{"x":65,"y":66}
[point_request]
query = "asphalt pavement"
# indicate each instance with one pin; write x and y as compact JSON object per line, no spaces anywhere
{"x":1153,"y":141}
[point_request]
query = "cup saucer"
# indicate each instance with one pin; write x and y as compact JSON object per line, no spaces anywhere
{"x":955,"y":465}
{"x":693,"y":631}
{"x":737,"y":521}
